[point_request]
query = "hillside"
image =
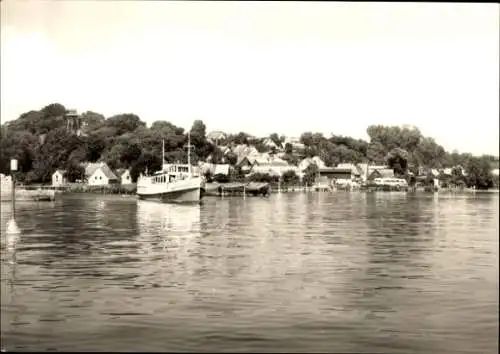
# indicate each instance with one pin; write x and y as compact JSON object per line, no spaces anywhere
{"x":53,"y":137}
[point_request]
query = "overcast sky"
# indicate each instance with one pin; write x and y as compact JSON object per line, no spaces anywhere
{"x":261,"y":67}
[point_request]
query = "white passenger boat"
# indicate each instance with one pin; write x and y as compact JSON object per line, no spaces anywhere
{"x":175,"y":183}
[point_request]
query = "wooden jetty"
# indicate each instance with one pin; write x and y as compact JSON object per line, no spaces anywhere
{"x":237,"y":189}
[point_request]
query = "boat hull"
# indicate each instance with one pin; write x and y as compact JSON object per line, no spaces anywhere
{"x":191,"y":195}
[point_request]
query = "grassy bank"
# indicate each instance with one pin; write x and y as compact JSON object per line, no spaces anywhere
{"x":83,"y":188}
{"x":109,"y":189}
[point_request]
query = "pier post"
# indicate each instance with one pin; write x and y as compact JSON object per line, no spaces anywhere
{"x":13,"y":169}
{"x":11,"y":225}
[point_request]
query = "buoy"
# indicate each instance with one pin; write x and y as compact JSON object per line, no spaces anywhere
{"x":12,"y":227}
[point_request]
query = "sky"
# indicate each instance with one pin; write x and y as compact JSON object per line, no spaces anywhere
{"x":261,"y":67}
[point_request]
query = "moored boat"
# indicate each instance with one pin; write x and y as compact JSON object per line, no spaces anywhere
{"x":22,"y":194}
{"x":175,"y":183}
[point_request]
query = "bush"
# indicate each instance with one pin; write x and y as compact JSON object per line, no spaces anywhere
{"x":221,"y":178}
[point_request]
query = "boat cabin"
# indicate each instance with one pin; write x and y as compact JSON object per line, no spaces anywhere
{"x":171,"y":173}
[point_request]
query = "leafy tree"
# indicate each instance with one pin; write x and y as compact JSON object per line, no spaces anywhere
{"x":124,"y":123}
{"x":290,"y":178}
{"x":53,"y":110}
{"x":291,"y":159}
{"x":198,"y":139}
{"x":130,"y":153}
{"x":95,"y":147}
{"x":93,"y":121}
{"x":288,"y":148}
{"x":74,"y":171}
{"x":241,"y":138}
{"x":112,"y":156}
{"x":397,"y":159}
{"x":53,"y":154}
{"x":310,"y":174}
{"x":479,"y":173}
{"x":208,"y":176}
{"x":262,"y":178}
{"x":198,"y":132}
{"x":216,"y":155}
{"x":231,"y":158}
{"x":79,"y":155}
{"x":221,"y":178}
{"x":376,"y":152}
{"x":276,"y":139}
{"x":147,"y":161}
{"x":17,"y":145}
{"x":307,"y":139}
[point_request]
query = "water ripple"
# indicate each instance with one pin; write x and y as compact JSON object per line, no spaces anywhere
{"x":340,"y":272}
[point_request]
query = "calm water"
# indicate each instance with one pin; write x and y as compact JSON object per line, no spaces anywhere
{"x":350,"y":272}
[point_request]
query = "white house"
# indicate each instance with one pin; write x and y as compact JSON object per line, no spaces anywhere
{"x":221,"y":169}
{"x":58,"y":178}
{"x":270,"y":143}
{"x":216,"y":136}
{"x":99,"y":174}
{"x":304,"y":164}
{"x":271,"y":165}
{"x":124,"y":176}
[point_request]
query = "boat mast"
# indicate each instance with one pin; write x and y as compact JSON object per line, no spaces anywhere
{"x":162,"y":152}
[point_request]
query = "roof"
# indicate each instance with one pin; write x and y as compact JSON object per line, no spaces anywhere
{"x":310,"y":160}
{"x":319,"y":161}
{"x":221,"y":169}
{"x":356,"y":169}
{"x":107,"y":172}
{"x":335,"y":169}
{"x":346,"y":165}
{"x":242,"y":159}
{"x":377,"y":167}
{"x":121,"y":171}
{"x":91,"y":168}
{"x":60,"y":171}
{"x":261,"y":161}
{"x":269,"y":142}
{"x":386,"y":172}
{"x":216,"y":134}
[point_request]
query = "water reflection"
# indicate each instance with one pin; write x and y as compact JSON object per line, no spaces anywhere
{"x":168,"y":226}
{"x":386,"y":272}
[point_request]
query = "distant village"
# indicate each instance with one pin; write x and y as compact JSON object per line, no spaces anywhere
{"x":50,"y":140}
{"x":250,"y":161}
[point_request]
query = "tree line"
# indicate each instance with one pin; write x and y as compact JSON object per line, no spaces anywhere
{"x":43,"y":141}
